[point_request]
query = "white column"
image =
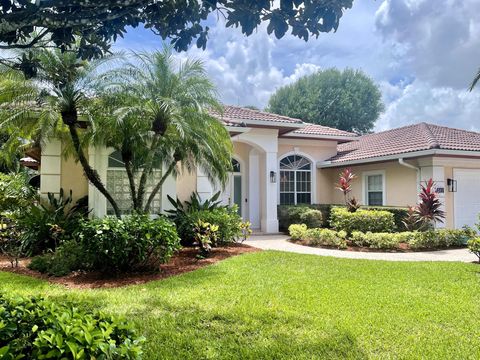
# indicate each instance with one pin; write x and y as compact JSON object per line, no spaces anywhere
{"x":51,"y":168}
{"x":98,"y":159}
{"x":169,"y":187}
{"x":254,"y":188}
{"x":269,"y":222}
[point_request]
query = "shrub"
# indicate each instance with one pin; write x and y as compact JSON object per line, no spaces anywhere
{"x":36,"y":328}
{"x":68,"y":257}
{"x":399,"y":214}
{"x":441,"y":238}
{"x":325,"y":237}
{"x":474,"y":246}
{"x":206,"y":234}
{"x":361,"y":220}
{"x":297,"y":231}
{"x":43,"y":227}
{"x":380,"y":240}
{"x":15,"y":193}
{"x":10,"y":244}
{"x":134,"y":243}
{"x":429,"y":209}
{"x":289,"y":214}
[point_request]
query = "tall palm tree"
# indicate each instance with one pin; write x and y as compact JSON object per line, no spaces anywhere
{"x":476,"y":79}
{"x":58,"y":97}
{"x":160,"y":111}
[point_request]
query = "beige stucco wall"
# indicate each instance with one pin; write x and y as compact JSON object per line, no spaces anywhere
{"x":72,"y":178}
{"x":186,"y":184}
{"x":400,"y":183}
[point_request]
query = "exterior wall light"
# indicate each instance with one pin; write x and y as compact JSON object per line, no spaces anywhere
{"x":273,"y":177}
{"x":452,"y":185}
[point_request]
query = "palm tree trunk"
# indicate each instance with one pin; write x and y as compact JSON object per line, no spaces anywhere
{"x":90,"y":173}
{"x":146,"y":170}
{"x":131,"y":181}
{"x":157,"y":187}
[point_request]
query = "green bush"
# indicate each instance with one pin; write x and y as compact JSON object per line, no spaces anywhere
{"x":325,"y":237}
{"x":474,"y":246}
{"x":381,"y":240}
{"x":432,"y":239}
{"x":399,"y":214}
{"x":10,"y":244}
{"x":361,"y":220}
{"x":230,"y":225}
{"x":37,"y":328}
{"x":15,"y":193}
{"x":68,"y":257}
{"x":43,"y":227}
{"x":441,"y":238}
{"x":134,"y":243}
{"x":301,"y":214}
{"x":297,"y":231}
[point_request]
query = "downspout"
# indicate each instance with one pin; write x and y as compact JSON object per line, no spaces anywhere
{"x":410,"y":166}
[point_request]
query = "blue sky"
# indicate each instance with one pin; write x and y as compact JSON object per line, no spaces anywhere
{"x":422,"y":54}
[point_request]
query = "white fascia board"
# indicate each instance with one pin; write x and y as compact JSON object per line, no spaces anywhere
{"x":274,"y":123}
{"x":237,"y":129}
{"x":431,"y":152}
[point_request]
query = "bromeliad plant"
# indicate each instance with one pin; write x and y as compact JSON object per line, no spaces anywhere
{"x":344,"y":184}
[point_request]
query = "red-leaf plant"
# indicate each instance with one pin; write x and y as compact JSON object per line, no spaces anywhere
{"x":344,"y":184}
{"x":428,"y":209}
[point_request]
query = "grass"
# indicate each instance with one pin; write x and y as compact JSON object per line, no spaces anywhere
{"x":273,"y":305}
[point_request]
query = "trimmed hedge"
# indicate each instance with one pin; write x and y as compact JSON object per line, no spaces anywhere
{"x":362,"y":220}
{"x":318,"y":236}
{"x":399,"y":214}
{"x":310,"y":215}
{"x":36,"y":328}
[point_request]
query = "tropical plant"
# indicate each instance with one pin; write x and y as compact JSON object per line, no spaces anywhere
{"x":474,"y":247}
{"x":205,"y":234}
{"x":429,"y":209}
{"x":347,"y":100}
{"x":345,"y":179}
{"x":44,"y":226}
{"x":15,"y":192}
{"x":155,"y":110}
{"x":56,"y":103}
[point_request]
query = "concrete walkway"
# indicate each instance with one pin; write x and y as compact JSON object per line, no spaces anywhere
{"x":280,"y":243}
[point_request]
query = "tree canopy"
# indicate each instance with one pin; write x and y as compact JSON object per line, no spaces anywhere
{"x":347,"y":100}
{"x":30,"y":23}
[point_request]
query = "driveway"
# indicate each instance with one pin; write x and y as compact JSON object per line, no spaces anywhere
{"x":280,"y":243}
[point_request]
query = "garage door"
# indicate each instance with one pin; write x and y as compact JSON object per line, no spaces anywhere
{"x":467,"y":198}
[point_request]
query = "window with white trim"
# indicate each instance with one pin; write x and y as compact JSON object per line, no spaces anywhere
{"x":118,"y":185}
{"x":374,"y":190}
{"x":295,"y":180}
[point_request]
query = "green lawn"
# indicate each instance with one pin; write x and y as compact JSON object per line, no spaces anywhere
{"x":273,"y":305}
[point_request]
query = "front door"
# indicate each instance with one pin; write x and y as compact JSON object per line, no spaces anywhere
{"x":236,"y":192}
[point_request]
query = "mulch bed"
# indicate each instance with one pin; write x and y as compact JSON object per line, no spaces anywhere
{"x":403,"y":248}
{"x":184,"y":261}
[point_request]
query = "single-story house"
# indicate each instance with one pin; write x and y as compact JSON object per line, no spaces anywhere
{"x":282,"y":160}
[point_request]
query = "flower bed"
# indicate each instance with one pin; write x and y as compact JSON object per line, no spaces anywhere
{"x":401,"y":241}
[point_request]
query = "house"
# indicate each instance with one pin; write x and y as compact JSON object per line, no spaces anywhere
{"x":281,"y":160}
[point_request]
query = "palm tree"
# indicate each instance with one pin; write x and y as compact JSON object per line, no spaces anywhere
{"x":57,"y":97}
{"x":476,"y":79}
{"x":160,"y":111}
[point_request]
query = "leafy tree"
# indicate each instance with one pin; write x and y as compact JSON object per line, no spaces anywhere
{"x":150,"y":110}
{"x":347,"y":100}
{"x":32,"y":23}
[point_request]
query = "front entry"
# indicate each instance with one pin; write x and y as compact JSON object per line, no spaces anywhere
{"x":233,"y":193}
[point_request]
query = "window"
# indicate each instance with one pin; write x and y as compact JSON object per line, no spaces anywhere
{"x":374,"y":189}
{"x":235,"y":166}
{"x":295,"y":180}
{"x":118,"y":185}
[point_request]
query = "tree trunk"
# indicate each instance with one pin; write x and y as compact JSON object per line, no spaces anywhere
{"x":70,"y":120}
{"x":157,"y":187}
{"x":146,"y":170}
{"x":131,"y":181}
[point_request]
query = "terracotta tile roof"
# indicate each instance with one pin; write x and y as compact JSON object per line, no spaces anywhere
{"x":407,"y":139}
{"x":233,"y":115}
{"x":314,"y":129}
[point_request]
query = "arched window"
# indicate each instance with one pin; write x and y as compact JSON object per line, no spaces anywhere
{"x":236,"y":166}
{"x":295,"y":180}
{"x":118,"y":185}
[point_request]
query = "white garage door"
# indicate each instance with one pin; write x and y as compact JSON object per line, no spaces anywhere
{"x":467,"y":197}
